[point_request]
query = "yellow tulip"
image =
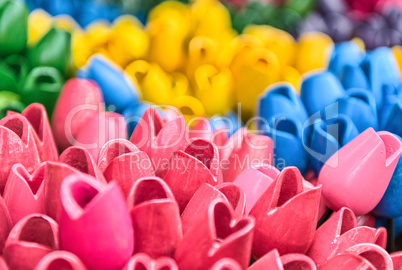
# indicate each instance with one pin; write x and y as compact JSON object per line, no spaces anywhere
{"x":257,"y":69}
{"x":80,"y":48}
{"x":291,"y":75}
{"x":281,"y":43}
{"x":212,"y":19}
{"x":98,"y":33}
{"x":201,"y":50}
{"x":180,"y":84}
{"x":156,"y":85}
{"x":128,"y":40}
{"x":168,"y":28}
{"x":236,"y":49}
{"x":189,"y":106}
{"x":214,"y":89}
{"x":39,"y":23}
{"x":314,"y":51}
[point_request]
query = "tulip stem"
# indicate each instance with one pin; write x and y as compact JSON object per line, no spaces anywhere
{"x":390,"y":235}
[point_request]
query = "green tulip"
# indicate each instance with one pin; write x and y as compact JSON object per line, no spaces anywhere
{"x":302,"y":7}
{"x":13,"y":70}
{"x":10,"y":102}
{"x":43,"y":85}
{"x":53,"y":50}
{"x":13,"y":27}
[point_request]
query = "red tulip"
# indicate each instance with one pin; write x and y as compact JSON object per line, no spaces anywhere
{"x":30,"y":240}
{"x":24,"y":193}
{"x":121,"y":160}
{"x":188,"y":169}
{"x":159,"y":138}
{"x":286,"y":215}
{"x":243,"y":150}
{"x":155,"y":216}
{"x":17,"y":146}
{"x":78,"y":102}
{"x":80,"y":159}
{"x":340,"y":232}
{"x":37,"y":117}
{"x":216,"y":235}
{"x":95,"y":224}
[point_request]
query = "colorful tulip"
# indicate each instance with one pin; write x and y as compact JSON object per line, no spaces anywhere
{"x":255,"y":181}
{"x":107,"y":212}
{"x":30,"y":240}
{"x":18,"y":146}
{"x":42,"y":85}
{"x":286,"y":215}
{"x":281,"y":99}
{"x":52,"y":50}
{"x":159,"y":138}
{"x":289,"y":147}
{"x":100,"y":128}
{"x":109,"y":77}
{"x":55,"y":172}
{"x":155,"y":216}
{"x":10,"y":101}
{"x":372,"y":161}
{"x":327,"y":137}
{"x":339,"y":233}
{"x":14,"y":27}
{"x":13,"y":70}
{"x":39,"y":121}
{"x":312,"y":95}
{"x":78,"y":101}
{"x":203,"y":197}
{"x":24,"y":193}
{"x":120,"y":160}
{"x":198,"y":163}
{"x":216,"y":235}
{"x":310,"y":46}
{"x":243,"y":150}
{"x":81,"y":160}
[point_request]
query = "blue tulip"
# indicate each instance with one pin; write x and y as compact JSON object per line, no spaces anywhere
{"x":57,"y":7}
{"x":327,"y":137}
{"x":381,"y":69}
{"x":353,"y":77}
{"x":359,"y":105}
{"x":391,"y":96}
{"x":287,"y":136}
{"x":394,"y":121}
{"x":344,"y":53}
{"x":320,"y":90}
{"x":282,"y":99}
{"x":118,"y":90}
{"x":94,"y":10}
{"x":390,"y":205}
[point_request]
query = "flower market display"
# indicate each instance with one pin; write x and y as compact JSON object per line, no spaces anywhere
{"x":201,"y":134}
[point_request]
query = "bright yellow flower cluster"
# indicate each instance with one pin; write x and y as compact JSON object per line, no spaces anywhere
{"x":189,"y":55}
